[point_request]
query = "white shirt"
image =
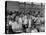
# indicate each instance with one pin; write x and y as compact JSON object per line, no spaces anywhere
{"x":29,"y":22}
{"x":15,"y":25}
{"x":20,"y":20}
{"x":25,"y":19}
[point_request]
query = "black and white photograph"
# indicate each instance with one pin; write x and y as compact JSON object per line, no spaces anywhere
{"x":24,"y":17}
